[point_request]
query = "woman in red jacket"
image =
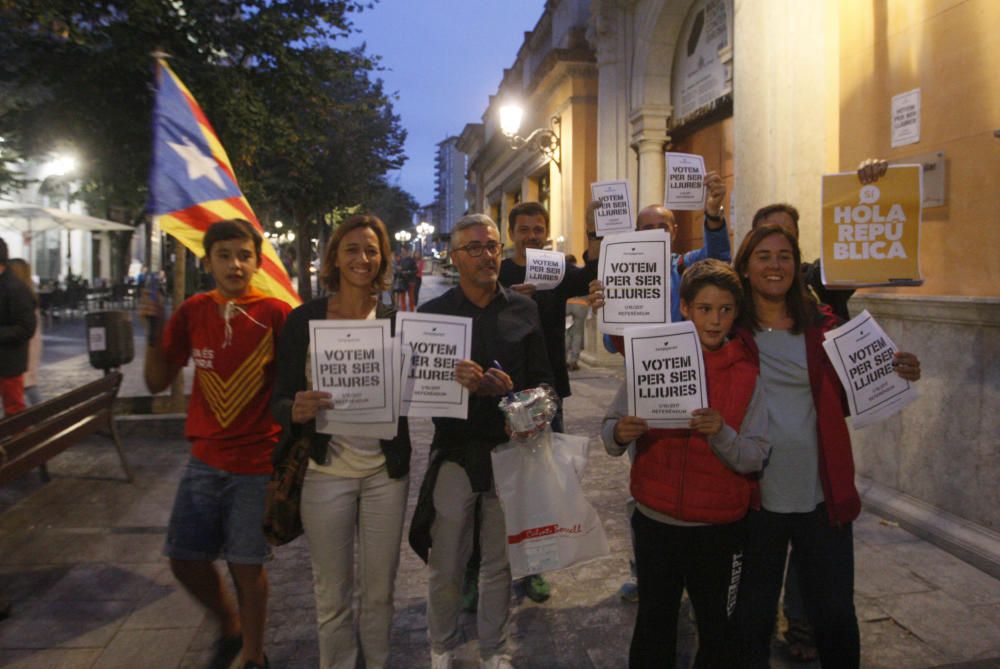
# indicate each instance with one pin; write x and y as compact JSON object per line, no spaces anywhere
{"x":807,"y":493}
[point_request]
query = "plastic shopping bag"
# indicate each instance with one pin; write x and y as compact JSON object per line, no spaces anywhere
{"x":550,"y":524}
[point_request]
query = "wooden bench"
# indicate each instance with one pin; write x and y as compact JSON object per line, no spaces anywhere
{"x":34,"y":436}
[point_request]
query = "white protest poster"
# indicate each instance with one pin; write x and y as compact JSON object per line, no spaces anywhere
{"x":544,"y":269}
{"x":905,"y":117}
{"x":615,"y":212}
{"x":635,"y":271}
{"x":432,"y":345}
{"x":356,"y":362}
{"x":861,"y":352}
{"x":685,"y":186}
{"x":665,"y":373}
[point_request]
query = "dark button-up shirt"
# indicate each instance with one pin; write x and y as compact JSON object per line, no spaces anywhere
{"x":552,"y":311}
{"x":506,"y":330}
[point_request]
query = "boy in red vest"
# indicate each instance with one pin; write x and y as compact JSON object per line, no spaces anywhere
{"x":690,"y":486}
{"x":230,"y":332}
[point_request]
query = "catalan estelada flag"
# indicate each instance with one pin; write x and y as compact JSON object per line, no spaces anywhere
{"x":192,"y":183}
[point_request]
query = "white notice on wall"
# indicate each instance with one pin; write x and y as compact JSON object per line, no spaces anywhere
{"x":665,"y":372}
{"x":97,"y":339}
{"x":356,"y":362}
{"x":544,"y":269}
{"x":635,"y":270}
{"x":615,"y":212}
{"x":906,"y":118}
{"x":685,"y":182}
{"x":433,"y":345}
{"x":862,"y":353}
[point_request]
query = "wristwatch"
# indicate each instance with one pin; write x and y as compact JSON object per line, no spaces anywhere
{"x":717,"y":219}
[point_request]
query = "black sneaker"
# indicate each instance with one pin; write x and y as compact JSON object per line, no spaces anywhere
{"x":226,"y":650}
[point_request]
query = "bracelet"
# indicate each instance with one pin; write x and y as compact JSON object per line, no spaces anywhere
{"x":721,"y":217}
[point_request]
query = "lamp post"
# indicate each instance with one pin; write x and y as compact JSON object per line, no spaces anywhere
{"x":403,"y":237}
{"x":424,"y":230}
{"x":56,"y":173}
{"x":544,"y":140}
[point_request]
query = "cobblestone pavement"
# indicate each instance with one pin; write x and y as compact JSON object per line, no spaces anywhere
{"x":80,"y":562}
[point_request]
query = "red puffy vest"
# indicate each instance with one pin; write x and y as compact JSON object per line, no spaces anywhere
{"x":675,"y":471}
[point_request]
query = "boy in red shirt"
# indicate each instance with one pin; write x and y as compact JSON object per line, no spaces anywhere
{"x":690,"y":486}
{"x":230,"y":332}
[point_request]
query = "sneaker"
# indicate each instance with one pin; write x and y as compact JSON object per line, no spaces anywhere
{"x":442,"y":660}
{"x":496,"y":662}
{"x":537,"y":588}
{"x":226,"y":650}
{"x":629,"y":592}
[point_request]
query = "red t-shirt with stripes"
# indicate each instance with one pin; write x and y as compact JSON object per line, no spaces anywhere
{"x":229,"y":420}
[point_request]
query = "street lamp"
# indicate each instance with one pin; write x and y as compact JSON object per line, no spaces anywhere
{"x":61,"y":165}
{"x":424,"y":230}
{"x":56,"y":176}
{"x":403,"y":237}
{"x":544,"y":140}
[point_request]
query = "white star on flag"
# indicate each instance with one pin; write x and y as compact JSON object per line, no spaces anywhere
{"x":198,"y":164}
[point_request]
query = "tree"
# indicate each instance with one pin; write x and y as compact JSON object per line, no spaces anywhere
{"x":304,"y":123}
{"x":394,"y":206}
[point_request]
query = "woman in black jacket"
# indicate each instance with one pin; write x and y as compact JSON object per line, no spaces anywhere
{"x":354,"y":485}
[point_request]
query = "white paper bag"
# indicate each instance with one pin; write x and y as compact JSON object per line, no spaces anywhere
{"x":550,"y":524}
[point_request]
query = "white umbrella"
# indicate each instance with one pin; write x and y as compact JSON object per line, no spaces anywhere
{"x":32,"y":218}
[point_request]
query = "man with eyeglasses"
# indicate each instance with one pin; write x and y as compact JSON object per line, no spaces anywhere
{"x":508,"y":354}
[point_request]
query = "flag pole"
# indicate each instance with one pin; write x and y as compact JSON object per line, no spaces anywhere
{"x":177,"y":402}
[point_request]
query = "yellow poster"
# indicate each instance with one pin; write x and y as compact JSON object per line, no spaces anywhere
{"x":871,"y":233}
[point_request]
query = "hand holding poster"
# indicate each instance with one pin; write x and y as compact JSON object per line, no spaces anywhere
{"x":355,"y":361}
{"x":615,"y":213}
{"x":871,"y":233}
{"x":544,"y":269}
{"x":635,"y":271}
{"x":685,"y":187}
{"x":862,"y":354}
{"x":434,"y":344}
{"x":665,"y":373}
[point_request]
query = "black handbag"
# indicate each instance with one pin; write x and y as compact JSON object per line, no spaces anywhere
{"x":282,"y":520}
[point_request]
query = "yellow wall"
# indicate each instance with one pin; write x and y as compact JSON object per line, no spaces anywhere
{"x":950,"y":50}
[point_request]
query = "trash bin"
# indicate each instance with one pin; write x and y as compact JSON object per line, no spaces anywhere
{"x":109,"y":339}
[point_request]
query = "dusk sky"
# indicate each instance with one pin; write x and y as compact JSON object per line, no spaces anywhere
{"x":444,"y":58}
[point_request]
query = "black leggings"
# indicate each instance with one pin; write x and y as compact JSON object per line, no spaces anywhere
{"x":825,"y":557}
{"x":705,"y":559}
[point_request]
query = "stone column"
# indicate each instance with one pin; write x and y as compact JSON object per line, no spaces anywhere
{"x":606,"y":34}
{"x":649,"y":135}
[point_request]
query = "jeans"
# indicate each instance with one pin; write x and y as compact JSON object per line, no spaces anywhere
{"x":451,"y":536}
{"x":334,"y":508}
{"x":574,"y":335}
{"x":218,"y":514}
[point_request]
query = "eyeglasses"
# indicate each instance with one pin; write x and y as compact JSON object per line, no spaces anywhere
{"x":475,"y":249}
